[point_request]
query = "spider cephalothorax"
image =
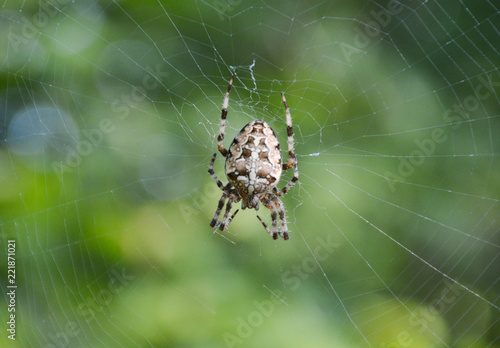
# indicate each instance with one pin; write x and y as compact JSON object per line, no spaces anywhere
{"x":253,"y":168}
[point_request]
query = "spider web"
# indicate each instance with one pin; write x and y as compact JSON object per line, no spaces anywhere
{"x":110,"y":114}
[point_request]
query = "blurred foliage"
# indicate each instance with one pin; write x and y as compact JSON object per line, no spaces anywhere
{"x":394,"y":223}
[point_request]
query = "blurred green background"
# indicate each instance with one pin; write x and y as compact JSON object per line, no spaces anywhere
{"x":110,"y":112}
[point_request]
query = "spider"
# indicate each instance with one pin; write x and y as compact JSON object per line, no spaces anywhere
{"x":253,"y":168}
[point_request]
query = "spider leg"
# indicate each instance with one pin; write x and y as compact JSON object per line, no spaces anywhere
{"x":222,"y":200}
{"x":281,"y":212}
{"x":270,"y":204}
{"x":276,"y":207}
{"x":220,"y":138}
{"x":274,"y":235}
{"x":292,"y":159}
{"x":216,"y":179}
{"x":212,"y":173}
{"x":233,"y":198}
{"x":232,"y":216}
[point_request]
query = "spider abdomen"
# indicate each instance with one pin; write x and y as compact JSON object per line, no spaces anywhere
{"x":253,"y":162}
